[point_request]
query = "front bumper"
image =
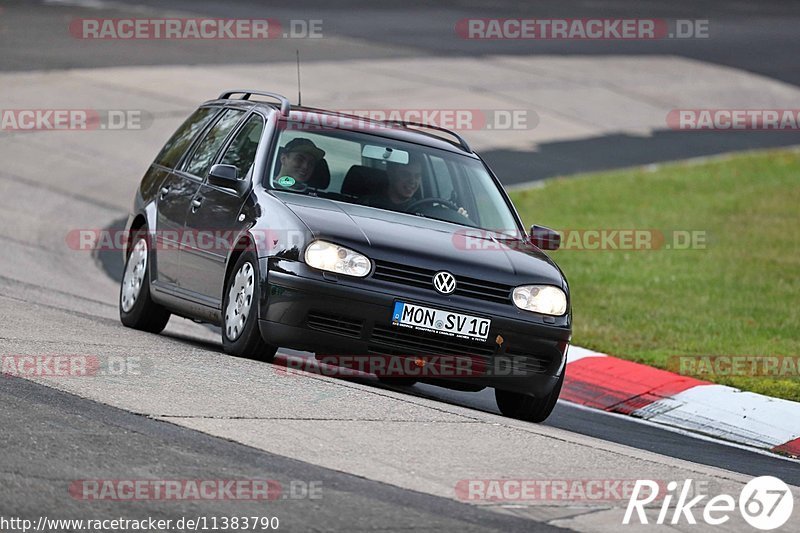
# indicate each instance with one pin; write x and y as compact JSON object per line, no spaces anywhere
{"x":305,"y":309}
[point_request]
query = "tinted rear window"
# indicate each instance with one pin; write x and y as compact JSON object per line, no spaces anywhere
{"x":203,"y":155}
{"x":181,"y":140}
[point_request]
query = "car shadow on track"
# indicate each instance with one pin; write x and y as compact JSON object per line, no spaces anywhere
{"x":305,"y":363}
{"x":194,"y":341}
{"x":111,"y":261}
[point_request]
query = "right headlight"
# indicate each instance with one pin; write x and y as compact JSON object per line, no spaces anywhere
{"x":334,"y":258}
{"x":544,"y":299}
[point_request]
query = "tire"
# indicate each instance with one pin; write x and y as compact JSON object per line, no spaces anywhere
{"x":528,"y":408}
{"x":137,"y":309}
{"x":240,"y":333}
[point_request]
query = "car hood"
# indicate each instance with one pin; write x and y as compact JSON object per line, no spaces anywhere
{"x":424,"y":242}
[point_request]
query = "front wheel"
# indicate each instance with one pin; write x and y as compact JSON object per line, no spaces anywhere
{"x":528,"y":408}
{"x":240,"y":334}
{"x":137,"y":309}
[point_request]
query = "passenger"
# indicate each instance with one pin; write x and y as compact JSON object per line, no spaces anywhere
{"x":298,"y":159}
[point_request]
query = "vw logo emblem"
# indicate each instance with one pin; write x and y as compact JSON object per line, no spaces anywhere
{"x":444,"y":282}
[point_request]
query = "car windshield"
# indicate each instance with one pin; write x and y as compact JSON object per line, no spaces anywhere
{"x":384,"y":173}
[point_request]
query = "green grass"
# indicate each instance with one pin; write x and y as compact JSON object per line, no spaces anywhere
{"x":738,"y":296}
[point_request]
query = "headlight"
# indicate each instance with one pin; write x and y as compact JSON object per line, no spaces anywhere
{"x":544,"y":299}
{"x":334,"y":258}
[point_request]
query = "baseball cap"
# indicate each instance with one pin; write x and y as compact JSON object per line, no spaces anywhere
{"x":305,"y":146}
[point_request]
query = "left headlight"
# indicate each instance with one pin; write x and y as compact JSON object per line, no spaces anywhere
{"x":334,"y":258}
{"x":544,"y":299}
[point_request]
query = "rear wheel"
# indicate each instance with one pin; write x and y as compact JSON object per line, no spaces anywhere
{"x":136,"y":308}
{"x":528,"y":408}
{"x":240,"y":334}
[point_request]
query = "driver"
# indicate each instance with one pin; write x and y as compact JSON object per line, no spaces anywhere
{"x":404,"y":181}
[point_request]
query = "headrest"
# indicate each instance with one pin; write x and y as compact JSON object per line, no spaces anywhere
{"x":321,"y":177}
{"x":361,"y":181}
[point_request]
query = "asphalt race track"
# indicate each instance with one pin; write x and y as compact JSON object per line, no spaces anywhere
{"x":758,"y":38}
{"x":383,"y":458}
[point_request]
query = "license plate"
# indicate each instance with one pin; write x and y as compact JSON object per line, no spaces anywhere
{"x":439,"y":321}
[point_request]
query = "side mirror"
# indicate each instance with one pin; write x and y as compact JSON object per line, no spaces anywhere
{"x":545,"y":238}
{"x":227,"y":177}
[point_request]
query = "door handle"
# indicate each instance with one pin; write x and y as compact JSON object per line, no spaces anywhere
{"x":164,"y":192}
{"x":196,"y":203}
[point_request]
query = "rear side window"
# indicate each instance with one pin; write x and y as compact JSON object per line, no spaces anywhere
{"x":182,"y":139}
{"x":241,"y":152}
{"x":204,"y":154}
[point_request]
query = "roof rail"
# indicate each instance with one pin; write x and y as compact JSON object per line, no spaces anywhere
{"x":458,"y":137}
{"x":246,"y":93}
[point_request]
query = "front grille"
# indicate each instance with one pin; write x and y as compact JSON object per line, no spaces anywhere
{"x":336,"y":324}
{"x":482,"y":358}
{"x":404,"y":274}
{"x":401,"y":342}
{"x":423,"y":278}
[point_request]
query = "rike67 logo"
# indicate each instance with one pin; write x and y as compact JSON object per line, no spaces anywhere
{"x":765,"y":503}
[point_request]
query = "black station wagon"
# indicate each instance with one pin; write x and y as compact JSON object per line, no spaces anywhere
{"x":373,"y":241}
